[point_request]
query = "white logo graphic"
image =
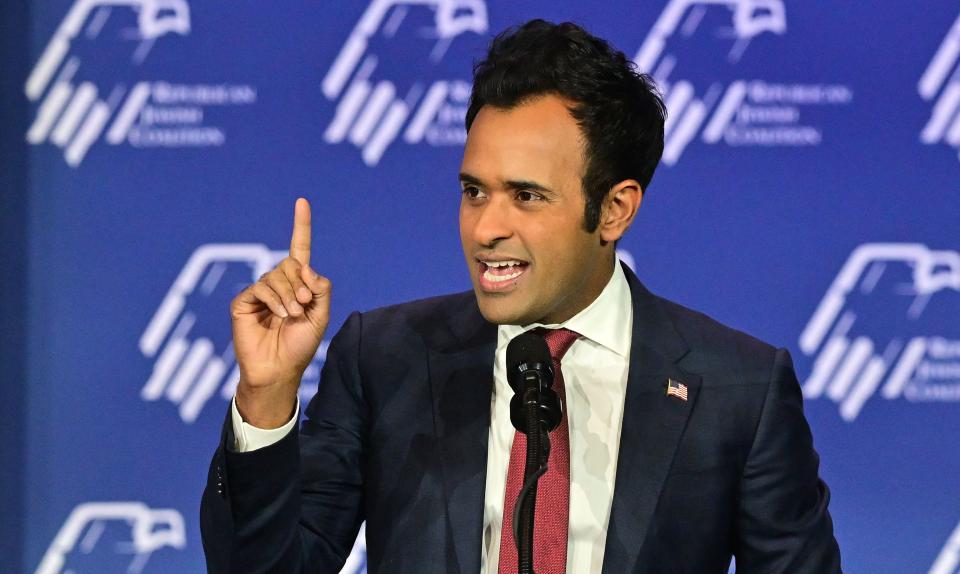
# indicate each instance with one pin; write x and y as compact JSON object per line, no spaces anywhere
{"x":357,"y":561}
{"x":150,"y":530}
{"x":627,"y":258}
{"x":943,"y":72}
{"x":888,"y":320}
{"x":189,"y":335}
{"x":73,"y":112}
{"x":370,"y":113}
{"x":739,"y":112}
{"x":948,"y":562}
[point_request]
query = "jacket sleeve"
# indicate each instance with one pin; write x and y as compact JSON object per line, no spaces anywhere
{"x":784,"y":525}
{"x":296,"y":505}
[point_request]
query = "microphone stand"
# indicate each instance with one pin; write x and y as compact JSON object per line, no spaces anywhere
{"x":535,"y":410}
{"x":538,"y":452}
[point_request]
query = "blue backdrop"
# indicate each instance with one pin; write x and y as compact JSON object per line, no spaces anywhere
{"x":153,"y":150}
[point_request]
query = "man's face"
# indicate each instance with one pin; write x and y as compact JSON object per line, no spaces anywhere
{"x":521,"y":215}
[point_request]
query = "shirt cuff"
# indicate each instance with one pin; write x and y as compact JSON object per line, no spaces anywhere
{"x":250,"y":438}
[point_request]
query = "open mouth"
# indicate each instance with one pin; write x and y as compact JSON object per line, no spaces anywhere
{"x":502,"y":274}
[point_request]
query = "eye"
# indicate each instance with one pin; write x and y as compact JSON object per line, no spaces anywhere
{"x":528,"y":196}
{"x":472,"y":192}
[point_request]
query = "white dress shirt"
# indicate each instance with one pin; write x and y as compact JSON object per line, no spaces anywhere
{"x":595,"y":380}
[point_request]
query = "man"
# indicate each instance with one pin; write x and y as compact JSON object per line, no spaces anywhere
{"x":683,"y":442}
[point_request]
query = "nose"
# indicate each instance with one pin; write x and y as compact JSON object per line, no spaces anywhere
{"x":492,"y":222}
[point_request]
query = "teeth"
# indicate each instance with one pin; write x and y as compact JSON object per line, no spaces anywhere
{"x":499,"y":278}
{"x":498,"y":264}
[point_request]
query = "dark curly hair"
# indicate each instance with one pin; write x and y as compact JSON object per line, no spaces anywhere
{"x":619,"y":110}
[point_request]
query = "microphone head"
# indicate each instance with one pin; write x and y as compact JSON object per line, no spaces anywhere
{"x":525,"y":352}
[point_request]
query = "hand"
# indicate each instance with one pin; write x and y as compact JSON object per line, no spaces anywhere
{"x":278,"y":323}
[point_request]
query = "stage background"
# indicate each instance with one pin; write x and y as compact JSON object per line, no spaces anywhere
{"x":153,"y":150}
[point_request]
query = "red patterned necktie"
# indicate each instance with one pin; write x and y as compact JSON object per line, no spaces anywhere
{"x":551,"y":522}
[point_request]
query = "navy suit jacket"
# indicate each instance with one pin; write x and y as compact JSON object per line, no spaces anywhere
{"x":397,"y":436}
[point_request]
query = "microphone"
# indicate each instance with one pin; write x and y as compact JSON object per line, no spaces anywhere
{"x":530,"y":374}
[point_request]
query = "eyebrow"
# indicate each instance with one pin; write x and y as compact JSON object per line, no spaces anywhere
{"x":467,"y":178}
{"x":513,"y":184}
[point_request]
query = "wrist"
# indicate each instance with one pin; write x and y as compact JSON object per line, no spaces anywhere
{"x":267,"y":407}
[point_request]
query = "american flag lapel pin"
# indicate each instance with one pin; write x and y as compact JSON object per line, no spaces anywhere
{"x":676,"y":389}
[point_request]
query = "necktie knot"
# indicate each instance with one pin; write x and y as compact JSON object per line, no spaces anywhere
{"x":558,"y":341}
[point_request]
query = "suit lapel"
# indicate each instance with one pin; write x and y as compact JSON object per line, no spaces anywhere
{"x":652,"y":426}
{"x":461,"y":381}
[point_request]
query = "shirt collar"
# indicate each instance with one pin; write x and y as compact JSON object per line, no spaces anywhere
{"x":606,"y":321}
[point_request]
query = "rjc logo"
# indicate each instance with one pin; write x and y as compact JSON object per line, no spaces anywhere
{"x":705,"y":96}
{"x":688,"y":110}
{"x":888,"y":323}
{"x":72,"y":115}
{"x":371,"y":113}
{"x":189,"y":337}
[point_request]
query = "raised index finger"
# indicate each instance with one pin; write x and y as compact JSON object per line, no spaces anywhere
{"x":300,"y":241}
